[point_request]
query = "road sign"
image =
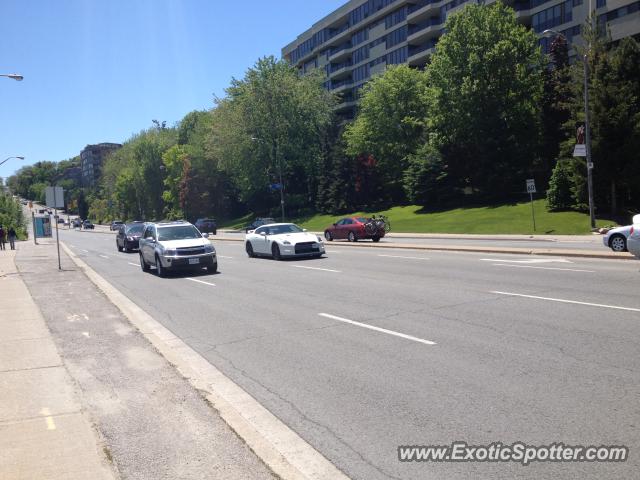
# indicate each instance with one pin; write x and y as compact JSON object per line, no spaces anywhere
{"x":55,"y":197}
{"x":275,"y":186}
{"x":580,"y":150}
{"x":531,"y":185}
{"x":589,"y":165}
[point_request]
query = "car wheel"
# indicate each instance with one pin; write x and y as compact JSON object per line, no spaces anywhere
{"x":352,"y":237}
{"x":125,"y":248}
{"x":275,"y":252}
{"x":618,"y":243}
{"x":118,"y":246}
{"x":159,"y":268}
{"x":328,"y":236}
{"x":143,"y":264}
{"x":213,"y":268}
{"x":249,"y":249}
{"x":376,"y":239}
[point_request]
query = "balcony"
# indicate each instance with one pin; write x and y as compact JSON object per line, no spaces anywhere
{"x":422,"y":8}
{"x":341,"y":86}
{"x":340,"y":52}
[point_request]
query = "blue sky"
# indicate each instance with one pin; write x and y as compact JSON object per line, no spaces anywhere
{"x":101,"y":70}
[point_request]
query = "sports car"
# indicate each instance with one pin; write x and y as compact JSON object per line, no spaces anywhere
{"x":279,"y":240}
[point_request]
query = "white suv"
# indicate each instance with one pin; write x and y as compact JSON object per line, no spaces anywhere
{"x":176,"y":245}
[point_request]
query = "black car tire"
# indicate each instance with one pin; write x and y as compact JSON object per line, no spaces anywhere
{"x":213,"y":268}
{"x":275,"y":251}
{"x":352,"y":237}
{"x":328,"y":236}
{"x":118,"y":246}
{"x":376,"y":239}
{"x":618,"y":243}
{"x":144,"y":265}
{"x":161,"y":271}
{"x":125,"y":248}
{"x":249,"y":248}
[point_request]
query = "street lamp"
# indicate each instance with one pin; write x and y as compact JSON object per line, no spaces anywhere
{"x":587,"y":130}
{"x":279,"y":165}
{"x":19,"y":158}
{"x":15,"y":76}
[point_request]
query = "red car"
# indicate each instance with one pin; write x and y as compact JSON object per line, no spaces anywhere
{"x":352,"y":229}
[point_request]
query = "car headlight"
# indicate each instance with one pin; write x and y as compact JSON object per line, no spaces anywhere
{"x":209,"y":248}
{"x":170,"y":252}
{"x":286,"y":242}
{"x":130,"y":239}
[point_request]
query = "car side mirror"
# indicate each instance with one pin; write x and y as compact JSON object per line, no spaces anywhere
{"x":264,"y":234}
{"x":205,"y":235}
{"x":335,"y":224}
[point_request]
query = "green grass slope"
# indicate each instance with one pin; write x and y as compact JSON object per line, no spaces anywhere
{"x":502,"y":219}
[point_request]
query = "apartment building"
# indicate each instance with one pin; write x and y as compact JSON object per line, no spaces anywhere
{"x":91,"y":160}
{"x":358,"y":40}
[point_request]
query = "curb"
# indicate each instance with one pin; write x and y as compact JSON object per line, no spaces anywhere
{"x":448,"y":248}
{"x":288,"y":455}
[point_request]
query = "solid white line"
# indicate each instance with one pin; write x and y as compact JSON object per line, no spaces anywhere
{"x":543,"y":268}
{"x":201,"y":281}
{"x":83,"y":250}
{"x":400,"y":256}
{"x":103,"y":256}
{"x":317,"y":268}
{"x":561,"y":300}
{"x":134,"y":264}
{"x":378,"y":329}
{"x":222,"y":256}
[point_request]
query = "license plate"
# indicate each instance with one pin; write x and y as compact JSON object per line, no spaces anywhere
{"x":194,"y":261}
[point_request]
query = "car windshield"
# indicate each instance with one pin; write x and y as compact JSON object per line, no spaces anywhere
{"x":362,"y":219}
{"x":178,"y":232}
{"x":279,"y":229}
{"x":135,"y":230}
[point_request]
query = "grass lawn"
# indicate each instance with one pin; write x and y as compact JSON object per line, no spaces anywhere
{"x":502,"y":219}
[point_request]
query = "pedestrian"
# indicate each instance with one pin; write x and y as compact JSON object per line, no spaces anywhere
{"x":1,"y":238}
{"x":12,"y":237}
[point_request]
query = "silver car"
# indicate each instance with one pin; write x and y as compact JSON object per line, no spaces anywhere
{"x":176,"y":246}
{"x":616,"y":238}
{"x":633,"y":242}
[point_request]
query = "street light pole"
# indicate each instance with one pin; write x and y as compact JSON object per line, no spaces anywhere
{"x":587,"y":129}
{"x":277,"y":159}
{"x":274,"y":152}
{"x":9,"y":158}
{"x":14,"y":76}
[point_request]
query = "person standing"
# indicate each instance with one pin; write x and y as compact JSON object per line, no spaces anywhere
{"x":12,"y":237}
{"x":1,"y":238}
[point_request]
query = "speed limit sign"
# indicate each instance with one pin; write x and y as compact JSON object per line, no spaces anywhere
{"x":531,"y":185}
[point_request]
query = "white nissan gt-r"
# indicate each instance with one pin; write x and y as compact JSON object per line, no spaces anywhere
{"x":279,"y":240}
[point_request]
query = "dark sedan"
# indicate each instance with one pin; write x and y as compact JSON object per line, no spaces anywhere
{"x":206,"y":225}
{"x":258,"y":222}
{"x":353,"y":229}
{"x":128,"y":236}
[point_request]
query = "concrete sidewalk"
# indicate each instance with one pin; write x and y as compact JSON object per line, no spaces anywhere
{"x":92,"y":366}
{"x":44,"y":431}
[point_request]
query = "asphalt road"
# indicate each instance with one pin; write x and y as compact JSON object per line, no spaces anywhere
{"x":477,"y":347}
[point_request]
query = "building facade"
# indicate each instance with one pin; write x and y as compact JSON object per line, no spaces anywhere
{"x":358,"y":40}
{"x":91,"y":160}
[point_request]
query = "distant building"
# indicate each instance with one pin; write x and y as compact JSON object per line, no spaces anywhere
{"x":359,"y":39}
{"x":91,"y":159}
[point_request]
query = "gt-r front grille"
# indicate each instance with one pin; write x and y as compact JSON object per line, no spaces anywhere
{"x":306,"y":247}
{"x":190,"y":251}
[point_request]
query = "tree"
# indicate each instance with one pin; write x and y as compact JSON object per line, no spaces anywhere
{"x":556,"y":101}
{"x":615,"y":124}
{"x":390,"y":124}
{"x":560,"y":194}
{"x":424,"y":178}
{"x":485,"y":86}
{"x":272,"y":120}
